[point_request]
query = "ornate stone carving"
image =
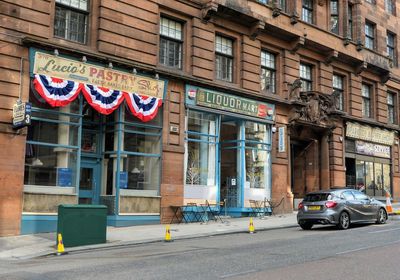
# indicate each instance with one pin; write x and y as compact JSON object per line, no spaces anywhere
{"x":294,"y":92}
{"x":315,"y":108}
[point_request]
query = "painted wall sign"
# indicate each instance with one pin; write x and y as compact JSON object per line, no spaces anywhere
{"x":281,"y":139}
{"x":21,"y":114}
{"x":371,"y":149}
{"x":368,"y":133}
{"x":63,"y":68}
{"x":228,"y":102}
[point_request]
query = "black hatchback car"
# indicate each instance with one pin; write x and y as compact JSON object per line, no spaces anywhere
{"x":339,"y":207}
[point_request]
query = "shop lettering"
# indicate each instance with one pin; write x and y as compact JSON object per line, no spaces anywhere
{"x":230,"y":102}
{"x":108,"y":75}
{"x":52,"y":66}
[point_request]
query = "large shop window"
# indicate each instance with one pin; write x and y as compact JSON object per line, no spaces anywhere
{"x":201,"y":149}
{"x":257,"y":154}
{"x":140,"y":153}
{"x":52,"y":144}
{"x":373,"y":177}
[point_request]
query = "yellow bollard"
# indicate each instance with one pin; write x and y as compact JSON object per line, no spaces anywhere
{"x":167,"y":234}
{"x":60,"y":245}
{"x":251,"y":226}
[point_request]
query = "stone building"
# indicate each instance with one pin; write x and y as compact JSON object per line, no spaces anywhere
{"x":142,"y":105}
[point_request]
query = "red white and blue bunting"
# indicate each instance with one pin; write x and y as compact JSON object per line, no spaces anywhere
{"x":59,"y":92}
{"x":104,"y":100}
{"x":143,"y":107}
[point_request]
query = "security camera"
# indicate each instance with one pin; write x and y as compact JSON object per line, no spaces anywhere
{"x":273,"y":129}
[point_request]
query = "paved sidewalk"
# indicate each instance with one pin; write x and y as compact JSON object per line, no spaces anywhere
{"x":36,"y":245}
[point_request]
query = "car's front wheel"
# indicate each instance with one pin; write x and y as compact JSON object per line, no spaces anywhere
{"x":344,"y":221}
{"x":306,"y":225}
{"x":382,"y":217}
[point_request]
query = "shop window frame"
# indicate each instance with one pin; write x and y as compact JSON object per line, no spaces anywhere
{"x":76,"y":148}
{"x":190,"y":137}
{"x":119,"y":153}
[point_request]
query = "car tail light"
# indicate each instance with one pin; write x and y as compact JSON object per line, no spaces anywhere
{"x":330,"y":204}
{"x":301,"y":206}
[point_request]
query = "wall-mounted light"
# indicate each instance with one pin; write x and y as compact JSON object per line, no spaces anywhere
{"x":156,"y":76}
{"x":134,"y":71}
{"x":110,"y":65}
{"x":273,"y":129}
{"x":340,"y":138}
{"x":84,"y":59}
{"x":56,"y":53}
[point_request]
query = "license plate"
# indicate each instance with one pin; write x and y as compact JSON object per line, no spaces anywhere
{"x":314,"y":208}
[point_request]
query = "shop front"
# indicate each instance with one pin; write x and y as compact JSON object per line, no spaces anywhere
{"x":227,"y":149}
{"x":95,"y":138}
{"x":369,"y":159}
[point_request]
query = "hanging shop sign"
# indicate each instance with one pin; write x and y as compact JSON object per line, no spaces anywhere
{"x":59,"y":81}
{"x":372,"y":149}
{"x":368,"y":133}
{"x":230,"y":103}
{"x":21,"y":114}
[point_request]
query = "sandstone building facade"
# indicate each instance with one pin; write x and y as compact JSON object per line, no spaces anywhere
{"x":145,"y":104}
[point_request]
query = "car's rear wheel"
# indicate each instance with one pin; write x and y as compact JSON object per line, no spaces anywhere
{"x":382,"y":217}
{"x":344,"y":221}
{"x":306,"y":225}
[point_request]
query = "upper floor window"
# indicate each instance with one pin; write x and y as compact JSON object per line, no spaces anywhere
{"x":391,"y":46}
{"x":306,"y":77}
{"x":366,"y":93}
{"x":350,"y":21}
{"x":391,"y":107}
{"x":282,"y":5}
{"x":224,"y":58}
{"x":71,"y":20}
{"x":307,"y":11}
{"x":268,"y":72}
{"x":335,"y":16}
{"x":390,"y":6}
{"x":369,"y":35}
{"x":338,"y":86}
{"x":170,"y":43}
{"x":371,"y":1}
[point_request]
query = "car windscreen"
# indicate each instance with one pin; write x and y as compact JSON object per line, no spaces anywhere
{"x":313,"y":197}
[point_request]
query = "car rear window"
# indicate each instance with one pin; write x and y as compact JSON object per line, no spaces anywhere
{"x":318,"y":197}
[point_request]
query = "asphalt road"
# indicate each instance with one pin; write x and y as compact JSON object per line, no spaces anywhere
{"x":362,"y":252}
